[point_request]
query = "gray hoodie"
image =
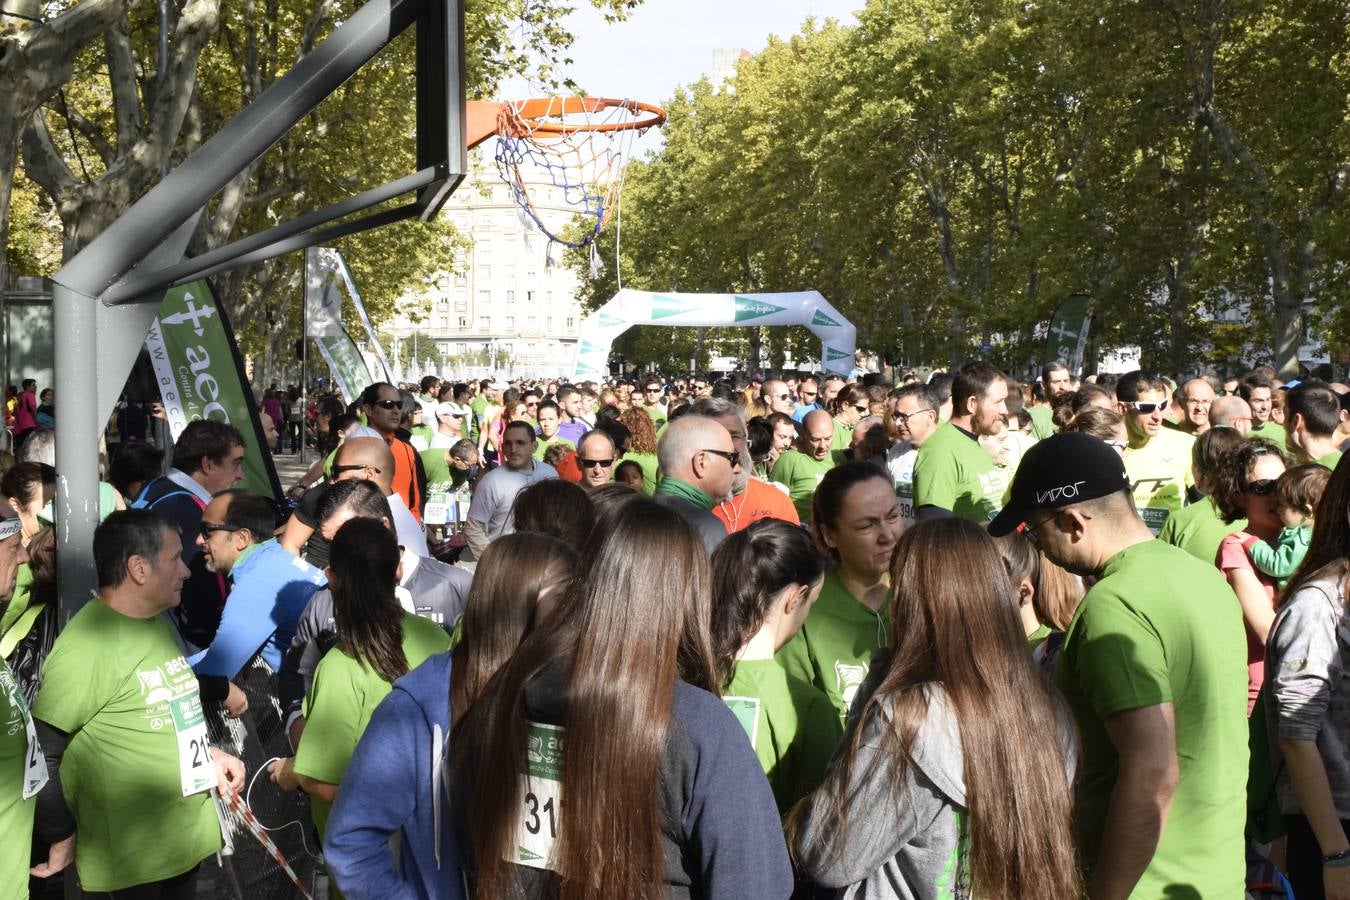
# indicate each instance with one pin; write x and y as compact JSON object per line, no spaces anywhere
{"x":910,"y":844}
{"x":907,"y":849}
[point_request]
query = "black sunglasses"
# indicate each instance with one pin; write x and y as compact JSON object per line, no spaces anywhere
{"x":209,"y":528}
{"x":1262,"y":487}
{"x":387,"y":404}
{"x":602,"y":463}
{"x":730,"y":456}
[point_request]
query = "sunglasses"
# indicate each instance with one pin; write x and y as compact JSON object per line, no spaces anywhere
{"x":730,"y":456}
{"x":1149,"y":408}
{"x":387,"y":404}
{"x":209,"y":528}
{"x":864,"y":409}
{"x":1262,"y":487}
{"x":588,"y":463}
{"x":902,"y":418}
{"x":338,"y":470}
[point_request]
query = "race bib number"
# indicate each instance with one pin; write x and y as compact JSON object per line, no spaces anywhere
{"x":746,"y":710}
{"x":904,"y":492}
{"x":194,"y":746}
{"x":34,"y":763}
{"x":438,"y":509}
{"x":849,"y":678}
{"x":537,"y":830}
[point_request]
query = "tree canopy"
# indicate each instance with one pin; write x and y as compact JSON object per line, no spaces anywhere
{"x":948,"y":171}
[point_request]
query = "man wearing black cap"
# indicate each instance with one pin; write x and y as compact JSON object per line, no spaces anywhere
{"x":1154,"y":670}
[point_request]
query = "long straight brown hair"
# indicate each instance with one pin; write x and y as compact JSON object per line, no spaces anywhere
{"x":622,"y":634}
{"x":956,"y":627}
{"x":363,"y":566}
{"x":501,"y":609}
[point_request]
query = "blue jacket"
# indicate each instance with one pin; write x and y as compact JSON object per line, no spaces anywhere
{"x":271,"y":587}
{"x":394,"y":788}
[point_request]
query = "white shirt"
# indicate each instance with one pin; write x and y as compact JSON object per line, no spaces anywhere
{"x":407,"y":528}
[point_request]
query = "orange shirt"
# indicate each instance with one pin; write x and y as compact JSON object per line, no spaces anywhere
{"x":759,"y":500}
{"x":405,"y":475}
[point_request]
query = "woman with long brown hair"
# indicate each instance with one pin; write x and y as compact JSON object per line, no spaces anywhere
{"x":377,"y":642}
{"x":954,"y":778}
{"x":591,"y":767}
{"x":516,"y":584}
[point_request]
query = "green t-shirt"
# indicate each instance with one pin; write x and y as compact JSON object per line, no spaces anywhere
{"x":342,"y":699}
{"x":478,"y":405}
{"x":843,"y":437}
{"x":1042,"y":421}
{"x":651,"y":470}
{"x":1160,"y":473}
{"x":658,"y":414}
{"x":1136,"y":641}
{"x":833,"y":651}
{"x":1330,"y":460}
{"x":801,"y":473}
{"x":1198,"y":530}
{"x":16,"y":813}
{"x":1271,"y":432}
{"x":791,"y":724}
{"x":540,"y":450}
{"x":954,"y":472}
{"x":441,"y":476}
{"x":117,"y":686}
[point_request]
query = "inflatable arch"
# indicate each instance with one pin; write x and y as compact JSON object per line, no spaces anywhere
{"x":599,"y":330}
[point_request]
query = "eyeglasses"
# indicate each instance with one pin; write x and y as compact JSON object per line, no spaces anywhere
{"x":903,"y":418}
{"x":588,"y":463}
{"x":529,"y":403}
{"x":1262,"y":487}
{"x":387,"y":404}
{"x":652,"y":390}
{"x":730,"y":456}
{"x":1149,"y":408}
{"x":805,"y":394}
{"x":209,"y":528}
{"x":352,"y":467}
{"x":1029,"y":531}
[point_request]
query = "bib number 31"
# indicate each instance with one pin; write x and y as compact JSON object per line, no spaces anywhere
{"x":537,"y":828}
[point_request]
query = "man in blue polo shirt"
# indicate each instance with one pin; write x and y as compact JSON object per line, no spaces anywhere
{"x":270,"y":586}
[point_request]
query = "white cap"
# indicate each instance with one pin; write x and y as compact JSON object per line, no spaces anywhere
{"x":451,"y":409}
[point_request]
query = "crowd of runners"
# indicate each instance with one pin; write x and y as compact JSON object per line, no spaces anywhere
{"x":950,"y":636}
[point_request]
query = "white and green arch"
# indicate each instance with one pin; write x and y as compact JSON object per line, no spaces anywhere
{"x":599,"y":330}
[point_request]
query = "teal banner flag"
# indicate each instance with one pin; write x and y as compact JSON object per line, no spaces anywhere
{"x":348,"y":366}
{"x":201,"y":376}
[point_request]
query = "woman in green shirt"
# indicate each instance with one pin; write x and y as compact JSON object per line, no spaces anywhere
{"x":377,"y":642}
{"x":765,"y":579}
{"x":856,"y":519}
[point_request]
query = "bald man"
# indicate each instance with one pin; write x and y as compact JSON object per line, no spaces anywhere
{"x":1231,"y":412}
{"x":1196,"y":397}
{"x":698,"y":466}
{"x":368,"y":458}
{"x":801,"y":469}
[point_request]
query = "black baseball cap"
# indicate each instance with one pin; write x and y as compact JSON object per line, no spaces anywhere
{"x":1063,"y":469}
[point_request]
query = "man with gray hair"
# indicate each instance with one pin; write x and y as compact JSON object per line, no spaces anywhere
{"x":751,"y":499}
{"x":698,"y":463}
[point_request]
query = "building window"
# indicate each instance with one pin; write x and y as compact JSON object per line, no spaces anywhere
{"x":571,"y":323}
{"x":509,"y":323}
{"x":443,"y":321}
{"x":484,"y":298}
{"x":463,"y":321}
{"x":485,"y":272}
{"x":484,"y":323}
{"x":461,"y":347}
{"x":461,"y":279}
{"x":510,"y":298}
{"x":531,"y":323}
{"x":443,"y":302}
{"x":548,"y":324}
{"x":461,"y":304}
{"x":529,"y":297}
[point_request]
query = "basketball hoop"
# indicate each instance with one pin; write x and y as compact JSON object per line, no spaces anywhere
{"x":576,"y":144}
